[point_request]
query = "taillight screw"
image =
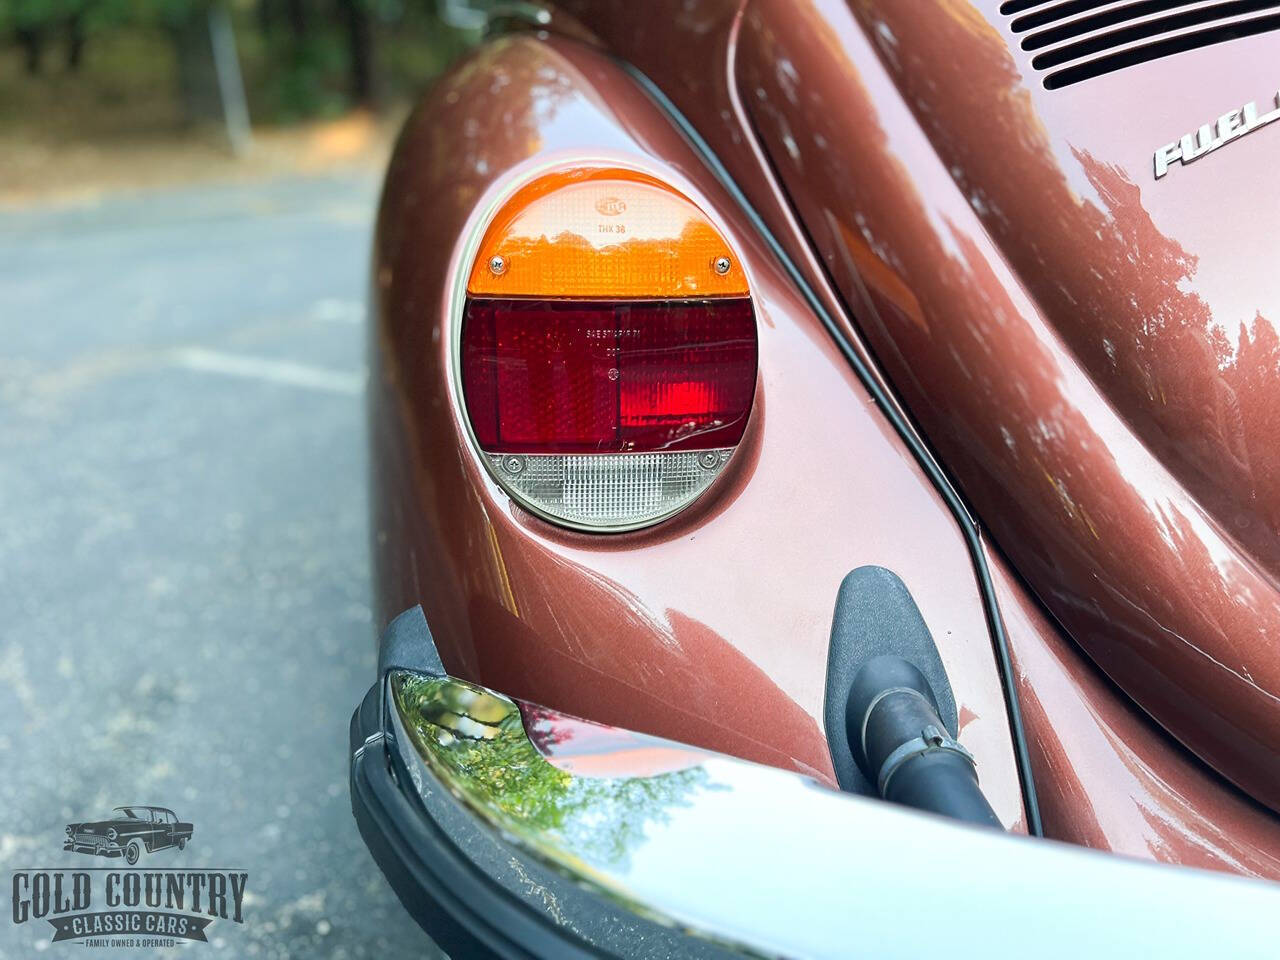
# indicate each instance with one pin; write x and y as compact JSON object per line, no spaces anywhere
{"x":497,"y":266}
{"x":722,"y":265}
{"x":513,"y":464}
{"x":709,"y":460}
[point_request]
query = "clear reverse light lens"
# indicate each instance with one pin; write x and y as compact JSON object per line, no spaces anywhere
{"x":609,"y":490}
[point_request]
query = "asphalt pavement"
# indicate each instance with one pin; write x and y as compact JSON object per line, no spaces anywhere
{"x":184,"y":567}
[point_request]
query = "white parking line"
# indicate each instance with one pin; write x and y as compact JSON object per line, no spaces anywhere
{"x":331,"y":310}
{"x":274,"y":371}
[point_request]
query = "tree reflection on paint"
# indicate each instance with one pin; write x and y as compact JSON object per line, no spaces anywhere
{"x":1119,"y":290}
{"x":1131,"y":565}
{"x":475,"y":740}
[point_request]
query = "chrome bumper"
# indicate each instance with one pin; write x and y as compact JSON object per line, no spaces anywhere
{"x":512,"y":830}
{"x":101,"y":847}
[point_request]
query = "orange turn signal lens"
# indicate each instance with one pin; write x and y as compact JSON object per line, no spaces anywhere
{"x":609,"y":234}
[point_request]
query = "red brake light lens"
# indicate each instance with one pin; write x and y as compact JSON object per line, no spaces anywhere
{"x":568,"y":377}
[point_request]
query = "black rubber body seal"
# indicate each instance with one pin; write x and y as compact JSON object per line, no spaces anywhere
{"x":927,"y":462}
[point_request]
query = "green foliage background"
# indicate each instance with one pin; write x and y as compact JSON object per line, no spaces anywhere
{"x":297,"y":56}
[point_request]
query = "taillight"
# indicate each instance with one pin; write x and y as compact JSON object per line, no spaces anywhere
{"x":608,"y":350}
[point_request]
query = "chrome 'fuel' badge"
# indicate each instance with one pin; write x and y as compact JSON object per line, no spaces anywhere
{"x":1230,"y":126}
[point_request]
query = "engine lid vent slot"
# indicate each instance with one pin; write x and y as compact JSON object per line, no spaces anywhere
{"x":1077,"y":40}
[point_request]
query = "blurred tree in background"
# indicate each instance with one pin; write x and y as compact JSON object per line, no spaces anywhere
{"x":300,"y":59}
{"x":36,"y":24}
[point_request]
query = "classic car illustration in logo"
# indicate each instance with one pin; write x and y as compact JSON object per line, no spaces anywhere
{"x":129,"y":833}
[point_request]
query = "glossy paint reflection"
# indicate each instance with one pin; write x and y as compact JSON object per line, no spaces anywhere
{"x":1169,"y":313}
{"x":1050,"y":341}
{"x":1082,"y":799}
{"x":712,"y":627}
{"x":1119,"y":782}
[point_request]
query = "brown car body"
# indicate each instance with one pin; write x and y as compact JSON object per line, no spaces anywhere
{"x":1043,"y":308}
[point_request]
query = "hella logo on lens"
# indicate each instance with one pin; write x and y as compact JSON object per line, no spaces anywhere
{"x":610,"y":206}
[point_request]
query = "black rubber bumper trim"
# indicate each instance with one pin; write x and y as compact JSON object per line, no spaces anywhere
{"x":463,"y":910}
{"x":473,"y":892}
